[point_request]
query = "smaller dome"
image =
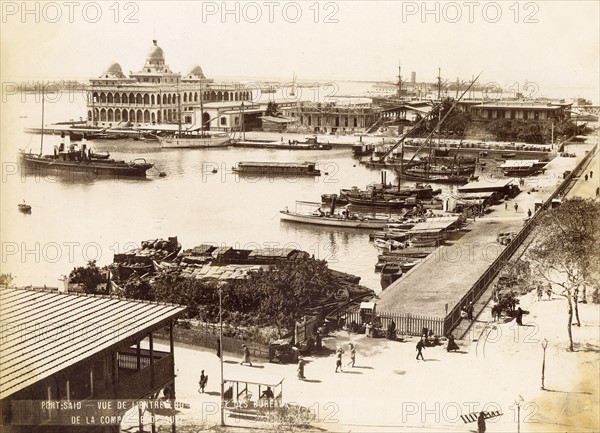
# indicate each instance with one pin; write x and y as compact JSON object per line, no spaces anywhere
{"x":114,"y":69}
{"x":197,"y":71}
{"x":155,"y":53}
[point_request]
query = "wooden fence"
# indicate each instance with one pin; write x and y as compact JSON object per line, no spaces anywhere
{"x":406,"y":324}
{"x":474,"y":293}
{"x":208,"y":337}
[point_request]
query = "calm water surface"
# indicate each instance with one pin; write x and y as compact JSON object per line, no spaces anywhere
{"x":78,"y":217}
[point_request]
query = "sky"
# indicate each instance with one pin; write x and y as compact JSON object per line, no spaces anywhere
{"x":553,"y":44}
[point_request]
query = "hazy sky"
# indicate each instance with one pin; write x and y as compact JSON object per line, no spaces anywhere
{"x":554,"y":44}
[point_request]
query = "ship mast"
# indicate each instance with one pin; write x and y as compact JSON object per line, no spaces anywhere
{"x":439,"y":83}
{"x":42,"y":138}
{"x":178,"y":112}
{"x":201,"y":111}
{"x":399,"y":80}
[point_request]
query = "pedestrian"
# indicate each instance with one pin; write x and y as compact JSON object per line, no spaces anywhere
{"x":470,"y":309}
{"x":246,"y":359}
{"x":591,"y":174}
{"x":451,"y":344}
{"x":496,"y":312}
{"x":319,"y":341}
{"x":352,"y":355}
{"x":549,"y":291}
{"x":540,"y":293}
{"x":420,"y":347}
{"x":300,"y":369}
{"x":586,"y":177}
{"x":481,"y":422}
{"x":528,"y":213}
{"x":202,"y":382}
{"x":391,"y":331}
{"x":338,"y":362}
{"x":505,"y":205}
{"x":598,"y":192}
{"x":519,"y":316}
{"x":516,"y":207}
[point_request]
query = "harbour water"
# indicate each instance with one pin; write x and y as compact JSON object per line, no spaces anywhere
{"x":78,"y":217}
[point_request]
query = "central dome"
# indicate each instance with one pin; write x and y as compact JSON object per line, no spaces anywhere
{"x":156,"y":53}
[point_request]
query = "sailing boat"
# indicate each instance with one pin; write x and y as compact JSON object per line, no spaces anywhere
{"x":80,"y":160}
{"x":195,"y":136}
{"x":430,"y":173}
{"x":293,"y":91}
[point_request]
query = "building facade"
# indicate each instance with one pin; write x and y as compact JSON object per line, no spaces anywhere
{"x":155,"y":94}
{"x":527,"y":110}
{"x":67,"y":349}
{"x":329,"y":118}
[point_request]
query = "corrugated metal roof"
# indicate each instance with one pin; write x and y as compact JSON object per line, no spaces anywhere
{"x":43,"y":332}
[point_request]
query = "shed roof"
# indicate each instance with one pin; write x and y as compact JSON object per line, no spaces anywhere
{"x":44,"y":332}
{"x":493,"y":184}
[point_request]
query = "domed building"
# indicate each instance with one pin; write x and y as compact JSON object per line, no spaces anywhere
{"x":155,"y":96}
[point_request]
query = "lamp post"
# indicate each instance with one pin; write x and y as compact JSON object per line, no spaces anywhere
{"x":544,"y":345}
{"x":221,"y":351}
{"x":519,"y":403}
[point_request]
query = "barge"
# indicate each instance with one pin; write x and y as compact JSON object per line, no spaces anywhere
{"x":277,"y":168}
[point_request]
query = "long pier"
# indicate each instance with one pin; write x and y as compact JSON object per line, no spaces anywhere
{"x":460,"y":272}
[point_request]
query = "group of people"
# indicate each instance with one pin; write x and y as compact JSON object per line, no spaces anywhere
{"x":338,"y":357}
{"x":540,"y":292}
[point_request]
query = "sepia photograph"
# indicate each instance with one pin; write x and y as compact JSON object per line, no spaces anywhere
{"x":300,"y":216}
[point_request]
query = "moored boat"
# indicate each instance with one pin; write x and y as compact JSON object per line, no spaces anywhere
{"x":102,"y":167}
{"x":390,"y":273}
{"x":192,"y":140}
{"x":355,"y":221}
{"x":24,"y":207}
{"x":277,"y":168}
{"x":362,"y":149}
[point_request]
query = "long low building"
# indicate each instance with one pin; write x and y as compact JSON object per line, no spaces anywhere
{"x":60,"y":350}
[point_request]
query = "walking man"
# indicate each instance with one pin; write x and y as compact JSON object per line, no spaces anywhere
{"x":470,"y":309}
{"x":549,"y":291}
{"x":516,"y":207}
{"x":202,"y":382}
{"x":481,"y":422}
{"x":246,"y":359}
{"x":352,"y":355}
{"x":540,"y":293}
{"x":420,"y":347}
{"x":338,"y":362}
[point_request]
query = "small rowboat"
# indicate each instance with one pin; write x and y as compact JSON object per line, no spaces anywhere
{"x":24,"y":207}
{"x":94,"y":155}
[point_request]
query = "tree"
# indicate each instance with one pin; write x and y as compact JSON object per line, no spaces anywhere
{"x":6,"y":279}
{"x":565,"y":251}
{"x":89,"y":276}
{"x":272,"y":109}
{"x":136,"y":288}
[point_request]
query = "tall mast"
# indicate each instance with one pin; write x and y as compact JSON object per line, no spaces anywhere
{"x":243,"y":126}
{"x":201,"y":111}
{"x":439,"y":83}
{"x":93,"y":108}
{"x":178,"y":112}
{"x":399,"y":80}
{"x":42,"y":138}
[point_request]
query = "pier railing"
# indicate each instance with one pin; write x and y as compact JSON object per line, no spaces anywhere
{"x":453,"y":318}
{"x":406,"y":324}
